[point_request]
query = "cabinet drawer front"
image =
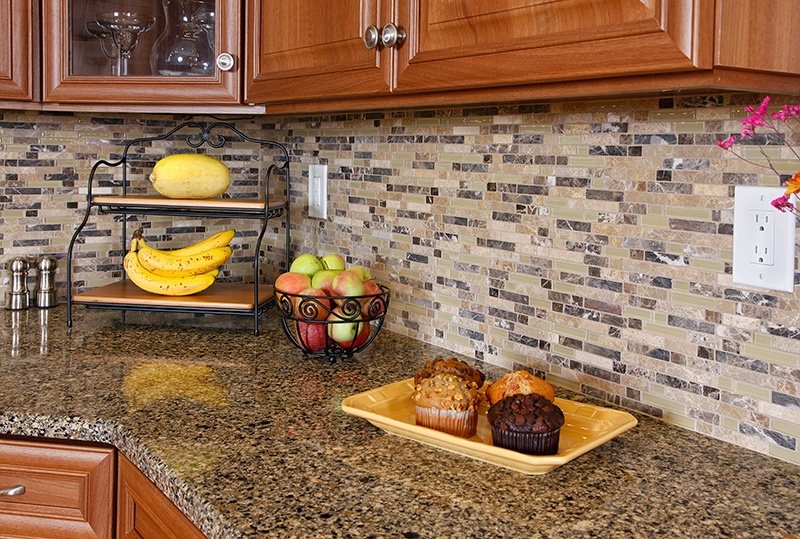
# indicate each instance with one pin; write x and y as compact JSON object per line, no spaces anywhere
{"x":68,"y":490}
{"x":47,"y":493}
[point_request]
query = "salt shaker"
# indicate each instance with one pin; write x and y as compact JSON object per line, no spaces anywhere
{"x":45,"y":282}
{"x":18,"y":298}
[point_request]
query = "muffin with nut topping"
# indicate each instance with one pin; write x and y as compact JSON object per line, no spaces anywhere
{"x":450,"y":365}
{"x":447,"y":403}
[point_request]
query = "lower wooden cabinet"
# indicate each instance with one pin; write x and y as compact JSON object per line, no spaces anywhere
{"x":144,"y":512}
{"x":54,"y":490}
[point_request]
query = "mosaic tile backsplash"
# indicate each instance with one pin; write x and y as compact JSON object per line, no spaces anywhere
{"x":589,"y":241}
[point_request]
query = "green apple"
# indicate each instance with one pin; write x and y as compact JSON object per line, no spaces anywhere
{"x":306,"y":263}
{"x":333,"y":261}
{"x":348,"y":334}
{"x":363,"y":272}
{"x":323,"y":279}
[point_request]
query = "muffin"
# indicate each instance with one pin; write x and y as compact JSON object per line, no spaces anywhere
{"x":515,"y":382}
{"x":447,"y":403}
{"x":530,"y":424}
{"x":450,"y":366}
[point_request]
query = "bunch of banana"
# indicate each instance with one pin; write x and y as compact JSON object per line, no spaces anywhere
{"x":180,"y":272}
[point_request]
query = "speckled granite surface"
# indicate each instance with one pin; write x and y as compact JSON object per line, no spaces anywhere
{"x":249,"y":440}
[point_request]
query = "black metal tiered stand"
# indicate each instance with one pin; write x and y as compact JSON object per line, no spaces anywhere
{"x":263,"y":208}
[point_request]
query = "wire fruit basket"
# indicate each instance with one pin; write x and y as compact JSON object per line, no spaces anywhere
{"x":332,"y":327}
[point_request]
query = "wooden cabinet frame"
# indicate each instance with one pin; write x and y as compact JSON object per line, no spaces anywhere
{"x":60,"y":86}
{"x":19,"y":66}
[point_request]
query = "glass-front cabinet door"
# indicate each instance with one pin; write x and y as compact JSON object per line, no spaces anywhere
{"x":178,"y":52}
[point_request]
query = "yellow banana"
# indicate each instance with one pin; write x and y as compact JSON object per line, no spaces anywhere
{"x":165,"y":286}
{"x":220,"y":239}
{"x":168,"y":265}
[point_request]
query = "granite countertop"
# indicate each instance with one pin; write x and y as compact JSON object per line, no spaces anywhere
{"x":249,"y":440}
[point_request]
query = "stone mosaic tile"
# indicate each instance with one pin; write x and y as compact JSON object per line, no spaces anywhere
{"x":588,"y":241}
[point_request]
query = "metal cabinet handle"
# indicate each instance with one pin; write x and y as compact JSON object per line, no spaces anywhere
{"x":392,"y":35}
{"x":371,"y":36}
{"x":225,"y":61}
{"x":16,"y":490}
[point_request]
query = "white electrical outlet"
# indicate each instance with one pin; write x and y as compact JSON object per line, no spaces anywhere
{"x":318,"y":191}
{"x":763,"y":240}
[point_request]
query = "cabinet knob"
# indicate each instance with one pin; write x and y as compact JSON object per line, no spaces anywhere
{"x":225,"y":61}
{"x":392,"y":35}
{"x":17,"y":490}
{"x":371,"y":36}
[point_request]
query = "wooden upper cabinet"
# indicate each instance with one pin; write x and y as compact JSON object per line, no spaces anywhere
{"x":310,"y":48}
{"x":758,"y":35}
{"x":76,"y":69}
{"x":17,"y":53}
{"x":455,"y":44}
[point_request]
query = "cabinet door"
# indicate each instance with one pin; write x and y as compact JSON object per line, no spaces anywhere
{"x":304,"y":49}
{"x":68,"y":490}
{"x":94,"y":53}
{"x":143,"y":512}
{"x":455,"y":44}
{"x":16,"y":50}
{"x":758,"y":35}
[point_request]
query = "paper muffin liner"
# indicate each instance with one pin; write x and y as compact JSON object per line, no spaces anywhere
{"x":464,"y":424}
{"x":545,"y":443}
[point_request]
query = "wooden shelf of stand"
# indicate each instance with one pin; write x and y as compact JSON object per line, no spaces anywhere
{"x":240,"y":207}
{"x":220,"y":296}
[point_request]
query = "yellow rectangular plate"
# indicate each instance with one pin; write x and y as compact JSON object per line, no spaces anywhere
{"x":390,"y":408}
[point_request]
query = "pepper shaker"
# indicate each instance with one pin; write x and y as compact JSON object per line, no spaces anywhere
{"x":45,"y":282}
{"x":18,"y":298}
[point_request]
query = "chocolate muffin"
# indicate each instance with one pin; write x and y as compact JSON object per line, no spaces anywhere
{"x":530,"y":424}
{"x":447,"y":403}
{"x":450,"y":366}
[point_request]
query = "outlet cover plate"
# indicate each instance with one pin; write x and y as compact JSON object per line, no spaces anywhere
{"x":763,"y":240}
{"x":318,"y":191}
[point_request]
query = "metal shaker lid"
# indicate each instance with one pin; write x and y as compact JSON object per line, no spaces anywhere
{"x":19,"y":265}
{"x":47,"y":263}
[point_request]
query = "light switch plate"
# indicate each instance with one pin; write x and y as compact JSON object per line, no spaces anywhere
{"x":318,"y":191}
{"x":763,"y":240}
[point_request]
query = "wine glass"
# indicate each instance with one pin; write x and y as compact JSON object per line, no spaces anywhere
{"x":125,"y":27}
{"x":107,"y":44}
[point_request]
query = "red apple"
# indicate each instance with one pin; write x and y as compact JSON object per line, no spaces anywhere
{"x":317,"y":308}
{"x":348,"y":284}
{"x":313,"y":336}
{"x":323,"y":279}
{"x":290,"y":283}
{"x":376,"y":300}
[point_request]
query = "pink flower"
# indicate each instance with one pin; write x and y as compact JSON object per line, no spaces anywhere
{"x":786,"y":112}
{"x":782,"y":203}
{"x":762,"y":110}
{"x":727,"y":143}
